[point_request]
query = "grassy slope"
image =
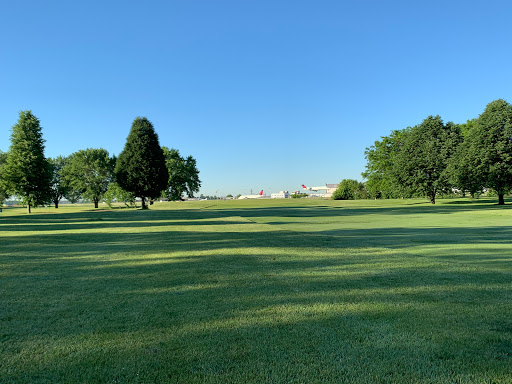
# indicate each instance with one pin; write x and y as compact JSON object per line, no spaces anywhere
{"x":258,"y":291}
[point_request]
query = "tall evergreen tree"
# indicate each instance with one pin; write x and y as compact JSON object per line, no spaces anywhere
{"x":140,"y":168}
{"x":26,"y":171}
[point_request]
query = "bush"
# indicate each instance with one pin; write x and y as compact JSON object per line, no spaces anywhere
{"x":350,"y":189}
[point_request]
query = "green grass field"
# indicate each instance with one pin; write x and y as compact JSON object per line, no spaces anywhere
{"x":270,"y":291}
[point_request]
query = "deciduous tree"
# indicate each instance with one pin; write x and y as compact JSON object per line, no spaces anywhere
{"x":183,"y":175}
{"x":490,"y":148}
{"x":89,"y":172}
{"x":58,"y":187}
{"x":423,"y":158}
{"x":381,"y":157}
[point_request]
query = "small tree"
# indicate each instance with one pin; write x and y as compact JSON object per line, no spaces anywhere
{"x":26,"y":171}
{"x":183,"y":175}
{"x":140,"y":168}
{"x":89,"y":173}
{"x":58,"y":187}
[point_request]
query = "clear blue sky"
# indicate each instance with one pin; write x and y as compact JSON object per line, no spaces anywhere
{"x":265,"y":94}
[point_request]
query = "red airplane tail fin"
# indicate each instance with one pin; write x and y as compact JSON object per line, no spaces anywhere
{"x":261,"y":192}
{"x":303,"y":186}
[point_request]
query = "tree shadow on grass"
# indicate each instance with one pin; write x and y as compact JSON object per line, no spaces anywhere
{"x":281,"y":306}
{"x":216,"y":216}
{"x":248,"y":316}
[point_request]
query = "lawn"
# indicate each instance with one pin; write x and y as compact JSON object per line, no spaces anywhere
{"x":265,"y":291}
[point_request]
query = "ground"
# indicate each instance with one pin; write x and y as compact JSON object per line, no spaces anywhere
{"x":275,"y":291}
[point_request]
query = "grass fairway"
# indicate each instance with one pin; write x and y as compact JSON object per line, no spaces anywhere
{"x":269,"y":291}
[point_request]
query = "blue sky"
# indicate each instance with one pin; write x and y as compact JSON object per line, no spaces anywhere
{"x":264,"y":94}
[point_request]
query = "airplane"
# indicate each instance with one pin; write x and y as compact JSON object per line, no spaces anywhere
{"x":258,"y":196}
{"x":316,"y":189}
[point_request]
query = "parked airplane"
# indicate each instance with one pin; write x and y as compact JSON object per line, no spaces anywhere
{"x":258,"y":196}
{"x":323,"y":188}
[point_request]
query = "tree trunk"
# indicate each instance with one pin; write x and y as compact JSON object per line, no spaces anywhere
{"x":143,"y":202}
{"x":432,"y":199}
{"x":56,"y":203}
{"x":28,"y":209}
{"x":501,"y":199}
{"x":96,"y":203}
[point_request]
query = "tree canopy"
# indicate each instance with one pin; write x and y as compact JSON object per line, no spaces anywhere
{"x":140,"y":168}
{"x":183,"y":175}
{"x":382,"y":181}
{"x":489,"y":148}
{"x":421,"y":163}
{"x":89,"y":172}
{"x":26,"y":171}
{"x":58,"y":187}
{"x":434,"y":158}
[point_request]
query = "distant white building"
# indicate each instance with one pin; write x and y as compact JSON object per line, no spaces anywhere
{"x":331,"y":188}
{"x":280,"y":195}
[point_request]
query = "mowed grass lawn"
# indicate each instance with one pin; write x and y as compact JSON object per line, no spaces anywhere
{"x":268,"y":291}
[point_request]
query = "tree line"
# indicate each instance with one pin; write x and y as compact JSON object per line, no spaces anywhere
{"x":143,"y":169}
{"x":436,"y":158}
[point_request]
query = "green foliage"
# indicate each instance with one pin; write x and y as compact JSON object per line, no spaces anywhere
{"x":58,"y":187}
{"x":183,"y":175}
{"x":26,"y":172}
{"x":350,"y":189}
{"x":115,"y":193}
{"x":73,"y":196}
{"x":381,"y":157}
{"x":463,"y":167}
{"x":89,"y":173}
{"x":298,"y":195}
{"x":3,"y":188}
{"x":141,"y":167}
{"x":467,"y":127}
{"x":421,"y":164}
{"x":490,"y":148}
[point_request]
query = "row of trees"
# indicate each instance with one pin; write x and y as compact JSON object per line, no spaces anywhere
{"x":433,"y":158}
{"x":143,"y":169}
